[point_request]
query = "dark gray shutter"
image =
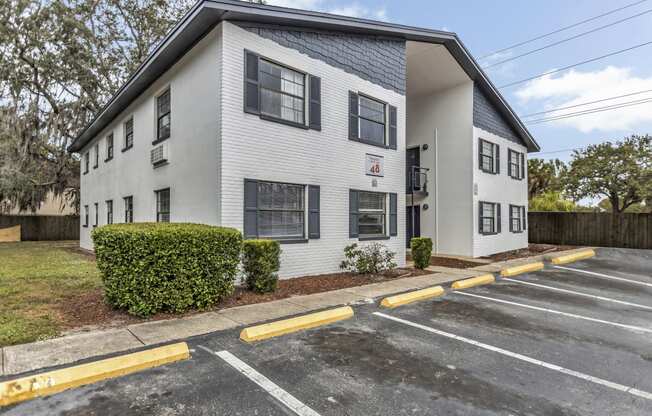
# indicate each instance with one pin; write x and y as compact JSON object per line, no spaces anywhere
{"x":353,"y":213}
{"x":353,"y":116}
{"x":315,"y":103}
{"x":480,"y":154}
{"x":393,"y":220}
{"x":251,"y":93}
{"x":497,"y":165}
{"x":250,"y":208}
{"x":511,"y":227}
{"x":524,"y":218}
{"x":522,"y":166}
{"x":393,"y":119}
{"x":480,"y":218}
{"x":498,"y":220}
{"x":313,"y":211}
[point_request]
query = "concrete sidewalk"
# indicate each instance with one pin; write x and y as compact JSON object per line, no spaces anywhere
{"x":69,"y":349}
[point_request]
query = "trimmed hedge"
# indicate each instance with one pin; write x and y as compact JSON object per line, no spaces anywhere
{"x":152,"y":267}
{"x":260,"y":262}
{"x":421,"y":251}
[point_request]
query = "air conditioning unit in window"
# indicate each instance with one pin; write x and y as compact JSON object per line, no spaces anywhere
{"x":159,"y":154}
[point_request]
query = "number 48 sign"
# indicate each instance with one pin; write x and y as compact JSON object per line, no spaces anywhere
{"x":374,"y":165}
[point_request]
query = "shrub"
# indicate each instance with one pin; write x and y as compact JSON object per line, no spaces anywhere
{"x":260,"y":262}
{"x":421,"y":248}
{"x":373,"y":258}
{"x":152,"y":267}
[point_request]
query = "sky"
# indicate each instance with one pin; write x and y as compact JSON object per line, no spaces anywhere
{"x":487,"y":26}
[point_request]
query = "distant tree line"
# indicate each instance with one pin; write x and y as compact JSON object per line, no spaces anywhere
{"x":618,"y":173}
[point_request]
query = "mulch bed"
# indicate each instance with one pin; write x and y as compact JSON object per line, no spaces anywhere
{"x":91,"y":311}
{"x":456,"y":263}
{"x":532,"y":250}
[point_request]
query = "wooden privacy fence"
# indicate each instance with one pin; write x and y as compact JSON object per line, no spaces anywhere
{"x":591,"y":229}
{"x":43,"y":227}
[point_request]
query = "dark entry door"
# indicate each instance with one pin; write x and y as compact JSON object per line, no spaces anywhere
{"x":413,"y":228}
{"x":412,"y":159}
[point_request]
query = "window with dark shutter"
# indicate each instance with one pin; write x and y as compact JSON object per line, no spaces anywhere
{"x":276,"y":210}
{"x":85,"y":215}
{"x":372,"y":121}
{"x":368,"y":213}
{"x":313,"y":212}
{"x":489,"y":217}
{"x":515,"y":164}
{"x":315,"y":103}
{"x":488,"y":156}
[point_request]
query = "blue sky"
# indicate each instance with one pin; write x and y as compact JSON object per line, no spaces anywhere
{"x":485,"y":26}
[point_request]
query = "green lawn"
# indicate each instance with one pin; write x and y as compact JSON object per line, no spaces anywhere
{"x":35,"y":277}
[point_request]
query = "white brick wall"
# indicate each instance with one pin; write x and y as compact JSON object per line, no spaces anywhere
{"x":191,"y":173}
{"x":259,"y":149}
{"x":498,"y":188}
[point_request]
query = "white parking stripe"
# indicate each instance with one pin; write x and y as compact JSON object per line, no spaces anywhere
{"x":606,"y":276}
{"x":567,"y":314}
{"x":275,"y":391}
{"x":616,"y":386}
{"x":622,"y":302}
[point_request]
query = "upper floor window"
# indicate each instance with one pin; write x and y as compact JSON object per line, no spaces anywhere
{"x":516,"y":161}
{"x":87,"y":159}
{"x":163,"y":116}
{"x":489,"y":156}
{"x":372,"y":121}
{"x":129,"y":209}
{"x":163,"y":205}
{"x":489,"y":216}
{"x":109,"y":212}
{"x":517,"y":221}
{"x":282,"y":92}
{"x":129,"y":134}
{"x":109,"y":147}
{"x":279,"y":93}
{"x":85,"y":215}
{"x":97,"y":156}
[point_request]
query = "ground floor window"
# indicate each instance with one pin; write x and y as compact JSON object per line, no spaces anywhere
{"x":109,"y":212}
{"x":371,"y":214}
{"x":163,"y":205}
{"x":129,"y":209}
{"x":97,"y":214}
{"x":489,"y":217}
{"x":517,"y":216}
{"x":85,"y":215}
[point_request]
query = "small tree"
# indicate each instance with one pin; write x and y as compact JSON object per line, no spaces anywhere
{"x":545,"y":176}
{"x":551,"y":201}
{"x":620,"y":172}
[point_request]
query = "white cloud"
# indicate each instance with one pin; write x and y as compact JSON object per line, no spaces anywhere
{"x":575,"y":87}
{"x":353,"y":9}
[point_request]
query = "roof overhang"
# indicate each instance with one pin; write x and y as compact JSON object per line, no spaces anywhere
{"x":206,"y":14}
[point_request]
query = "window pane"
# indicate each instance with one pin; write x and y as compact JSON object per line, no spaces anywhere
{"x":487,"y":163}
{"x":164,"y":126}
{"x":371,"y":224}
{"x":280,"y":224}
{"x":487,"y":225}
{"x":371,"y":201}
{"x":372,"y":131}
{"x":164,"y":103}
{"x":280,"y":196}
{"x":372,"y":109}
{"x":487,"y":149}
{"x":488,"y":210}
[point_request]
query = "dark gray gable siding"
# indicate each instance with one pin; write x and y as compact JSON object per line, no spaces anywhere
{"x":487,"y":117}
{"x":380,"y":60}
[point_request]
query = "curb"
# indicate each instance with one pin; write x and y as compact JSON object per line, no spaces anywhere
{"x":25,"y":388}
{"x":414,"y":296}
{"x":485,"y":279}
{"x":287,"y":326}
{"x":524,"y":268}
{"x":569,"y":258}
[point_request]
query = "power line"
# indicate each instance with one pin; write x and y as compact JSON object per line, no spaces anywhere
{"x":591,"y":111}
{"x":574,"y":65}
{"x":579,"y":35}
{"x":558,"y":151}
{"x":563,"y":29}
{"x":583,"y":104}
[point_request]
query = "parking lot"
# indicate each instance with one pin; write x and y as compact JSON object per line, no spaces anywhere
{"x":568,"y":340}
